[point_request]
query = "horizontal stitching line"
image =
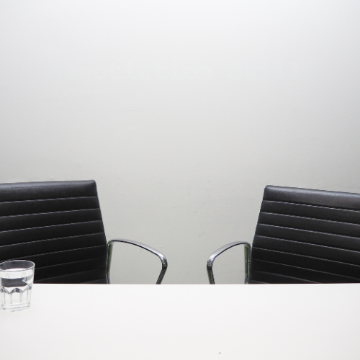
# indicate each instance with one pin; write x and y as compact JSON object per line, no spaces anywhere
{"x":285,"y":276}
{"x":307,"y":256}
{"x":58,"y":238}
{"x":310,"y":231}
{"x":307,"y":269}
{"x":60,"y":276}
{"x":320,"y":206}
{"x":67,"y":263}
{"x":49,"y":199}
{"x":309,"y":243}
{"x":62,"y":251}
{"x":92,"y":281}
{"x":49,"y":226}
{"x":47,"y":213}
{"x":306,"y":217}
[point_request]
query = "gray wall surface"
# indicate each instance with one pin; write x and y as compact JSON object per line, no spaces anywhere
{"x":182,"y":111}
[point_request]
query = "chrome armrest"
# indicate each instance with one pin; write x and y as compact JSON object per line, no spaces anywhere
{"x":143,"y":246}
{"x":213,"y":256}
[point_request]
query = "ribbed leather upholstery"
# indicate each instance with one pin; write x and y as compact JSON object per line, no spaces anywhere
{"x":58,"y":226}
{"x":307,"y":236}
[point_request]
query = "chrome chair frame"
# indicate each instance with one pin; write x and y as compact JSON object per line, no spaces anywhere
{"x":215,"y":254}
{"x":161,"y":256}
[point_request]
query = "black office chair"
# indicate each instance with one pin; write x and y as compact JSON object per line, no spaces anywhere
{"x":58,"y":226}
{"x":302,"y":236}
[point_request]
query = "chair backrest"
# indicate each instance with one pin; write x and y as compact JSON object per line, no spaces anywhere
{"x":57,"y":225}
{"x":306,"y":236}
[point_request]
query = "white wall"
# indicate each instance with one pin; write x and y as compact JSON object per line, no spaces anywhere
{"x":182,"y":111}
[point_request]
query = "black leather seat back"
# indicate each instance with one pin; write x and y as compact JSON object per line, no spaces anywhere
{"x":307,"y":236}
{"x":57,"y":225}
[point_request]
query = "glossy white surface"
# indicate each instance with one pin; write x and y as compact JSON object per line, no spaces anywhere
{"x":185,"y":322}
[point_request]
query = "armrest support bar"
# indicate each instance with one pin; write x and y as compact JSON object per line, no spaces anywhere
{"x":213,"y":256}
{"x":161,"y":256}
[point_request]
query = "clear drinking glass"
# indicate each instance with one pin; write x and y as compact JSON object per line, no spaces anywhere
{"x":16,"y":280}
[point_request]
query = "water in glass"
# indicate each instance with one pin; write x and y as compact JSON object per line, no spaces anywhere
{"x":16,"y":279}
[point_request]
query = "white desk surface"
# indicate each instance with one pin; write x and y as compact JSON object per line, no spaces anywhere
{"x":185,"y":322}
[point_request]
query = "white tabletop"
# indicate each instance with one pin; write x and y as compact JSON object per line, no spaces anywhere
{"x":185,"y":322}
